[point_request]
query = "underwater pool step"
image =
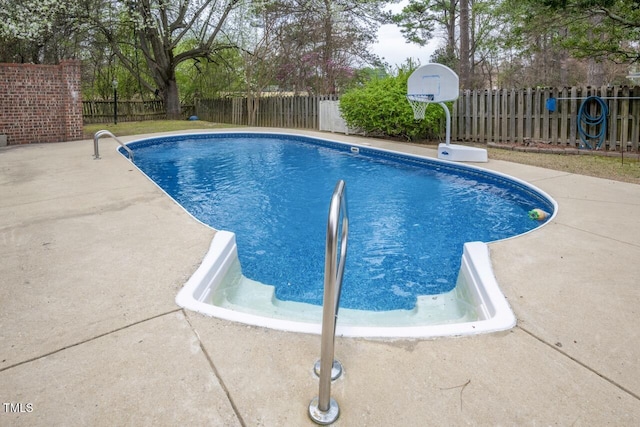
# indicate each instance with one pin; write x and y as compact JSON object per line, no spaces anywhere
{"x":241,"y":294}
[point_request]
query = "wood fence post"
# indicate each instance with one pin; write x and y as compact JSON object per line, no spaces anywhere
{"x":513,"y":116}
{"x":624,"y":116}
{"x":635,"y":118}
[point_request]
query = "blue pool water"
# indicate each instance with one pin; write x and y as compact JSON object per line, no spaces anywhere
{"x":409,"y":217}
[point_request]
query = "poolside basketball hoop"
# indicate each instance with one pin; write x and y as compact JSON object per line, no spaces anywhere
{"x":432,"y":83}
{"x":419,"y":103}
{"x":438,"y":83}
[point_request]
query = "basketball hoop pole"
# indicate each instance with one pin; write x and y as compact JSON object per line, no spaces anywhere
{"x":447,"y":123}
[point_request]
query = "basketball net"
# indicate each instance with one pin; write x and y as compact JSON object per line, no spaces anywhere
{"x":419,"y":103}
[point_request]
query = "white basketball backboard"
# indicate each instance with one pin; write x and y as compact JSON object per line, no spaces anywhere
{"x":437,"y":82}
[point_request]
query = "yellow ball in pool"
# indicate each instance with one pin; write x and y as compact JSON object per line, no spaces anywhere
{"x":538,"y":214}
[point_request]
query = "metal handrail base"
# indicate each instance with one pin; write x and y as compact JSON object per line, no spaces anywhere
{"x":324,"y":417}
{"x":336,"y":369}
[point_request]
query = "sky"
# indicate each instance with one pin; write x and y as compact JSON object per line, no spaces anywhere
{"x":395,"y":50}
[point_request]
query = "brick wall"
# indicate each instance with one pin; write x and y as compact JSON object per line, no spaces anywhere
{"x":40,"y":103}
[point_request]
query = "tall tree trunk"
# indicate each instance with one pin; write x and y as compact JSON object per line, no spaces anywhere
{"x":595,"y":73}
{"x":451,"y":30}
{"x":464,"y":45}
{"x":327,"y":51}
{"x":253,"y":102}
{"x":595,"y":68}
{"x":172,"y":100}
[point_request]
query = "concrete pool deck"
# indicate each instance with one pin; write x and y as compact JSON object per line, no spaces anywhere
{"x":92,"y":255}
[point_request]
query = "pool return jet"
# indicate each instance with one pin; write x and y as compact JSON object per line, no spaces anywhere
{"x":439,"y":83}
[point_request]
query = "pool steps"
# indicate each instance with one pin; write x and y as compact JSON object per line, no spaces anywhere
{"x":476,"y":305}
{"x":245,"y":295}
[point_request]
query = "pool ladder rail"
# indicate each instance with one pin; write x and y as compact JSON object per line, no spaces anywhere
{"x":323,"y":409}
{"x":97,"y":135}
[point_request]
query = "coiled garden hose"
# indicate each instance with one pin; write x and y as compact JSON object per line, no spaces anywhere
{"x":586,"y":120}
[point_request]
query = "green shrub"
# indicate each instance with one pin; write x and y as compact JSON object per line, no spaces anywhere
{"x":381,"y":107}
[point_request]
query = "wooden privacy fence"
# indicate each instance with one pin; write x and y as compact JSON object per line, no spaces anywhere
{"x":521,"y":116}
{"x":499,"y":116}
{"x":301,"y":112}
{"x":128,"y":111}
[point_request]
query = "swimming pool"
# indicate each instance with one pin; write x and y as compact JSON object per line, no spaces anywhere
{"x":406,"y":254}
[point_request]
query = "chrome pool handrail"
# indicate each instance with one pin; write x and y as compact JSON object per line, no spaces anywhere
{"x":323,"y":409}
{"x":97,"y":135}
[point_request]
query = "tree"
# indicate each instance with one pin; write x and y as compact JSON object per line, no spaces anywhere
{"x":211,"y":78}
{"x":465,"y":67}
{"x":487,"y":46}
{"x":39,"y":31}
{"x":164,"y":33}
{"x":259,"y":54}
{"x":598,"y":33}
{"x":600,"y":29}
{"x":321,"y":42}
{"x":528,"y":42}
{"x":469,"y":27}
{"x":420,"y":20}
{"x":159,"y":29}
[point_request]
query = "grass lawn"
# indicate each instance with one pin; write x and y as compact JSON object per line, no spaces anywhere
{"x":616,"y":168}
{"x":151,"y":126}
{"x":592,"y":165}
